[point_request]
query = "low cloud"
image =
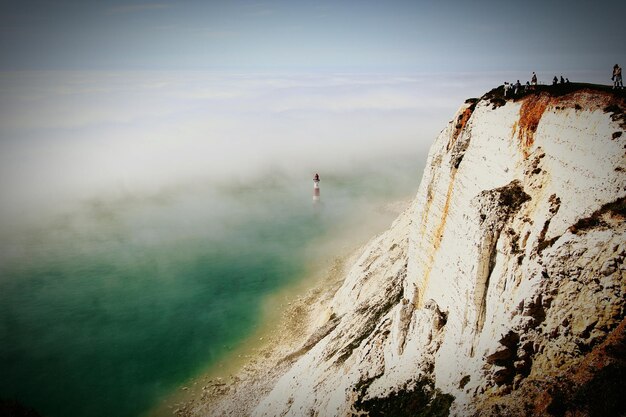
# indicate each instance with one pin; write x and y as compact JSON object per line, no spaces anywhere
{"x":66,"y":136}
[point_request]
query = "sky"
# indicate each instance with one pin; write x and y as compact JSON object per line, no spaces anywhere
{"x":136,"y":96}
{"x":355,"y":35}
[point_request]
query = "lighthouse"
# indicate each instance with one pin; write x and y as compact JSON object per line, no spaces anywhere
{"x":316,"y":188}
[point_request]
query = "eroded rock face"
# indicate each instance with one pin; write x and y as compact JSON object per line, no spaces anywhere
{"x":500,"y":290}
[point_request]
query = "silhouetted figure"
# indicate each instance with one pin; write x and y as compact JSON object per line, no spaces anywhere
{"x":533,"y":81}
{"x":555,"y":80}
{"x":527,"y":86}
{"x":507,"y":86}
{"x":566,"y":80}
{"x":517,"y":87}
{"x":562,"y":80}
{"x":617,"y":77}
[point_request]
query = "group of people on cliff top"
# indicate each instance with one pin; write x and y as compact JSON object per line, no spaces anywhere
{"x":518,"y":87}
{"x":556,"y":81}
{"x":515,"y":89}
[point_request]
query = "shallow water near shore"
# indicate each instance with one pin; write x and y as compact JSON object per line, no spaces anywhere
{"x":108,"y":308}
{"x":279,"y":329}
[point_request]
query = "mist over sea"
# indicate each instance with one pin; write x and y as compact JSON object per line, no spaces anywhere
{"x":146,"y":216}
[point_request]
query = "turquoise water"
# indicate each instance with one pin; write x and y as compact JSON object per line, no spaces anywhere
{"x":106,"y":308}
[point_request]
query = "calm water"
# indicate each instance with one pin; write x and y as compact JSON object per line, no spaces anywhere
{"x":108,"y":307}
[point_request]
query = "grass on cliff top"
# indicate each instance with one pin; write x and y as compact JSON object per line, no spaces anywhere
{"x":496,"y":95}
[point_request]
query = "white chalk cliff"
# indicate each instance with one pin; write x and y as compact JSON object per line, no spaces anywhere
{"x":500,"y":290}
{"x":499,"y":284}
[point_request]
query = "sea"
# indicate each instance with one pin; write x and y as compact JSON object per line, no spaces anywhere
{"x":111,"y":304}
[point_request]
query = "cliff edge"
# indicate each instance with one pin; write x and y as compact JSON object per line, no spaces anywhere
{"x":501,"y":289}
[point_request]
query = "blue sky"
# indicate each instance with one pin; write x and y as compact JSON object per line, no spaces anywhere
{"x":312,"y":35}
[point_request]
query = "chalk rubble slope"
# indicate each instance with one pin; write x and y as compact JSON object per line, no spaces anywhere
{"x":501,"y":281}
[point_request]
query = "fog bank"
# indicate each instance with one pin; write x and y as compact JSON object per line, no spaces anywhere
{"x":66,"y":136}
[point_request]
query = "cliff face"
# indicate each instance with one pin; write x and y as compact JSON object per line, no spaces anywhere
{"x":501,"y":290}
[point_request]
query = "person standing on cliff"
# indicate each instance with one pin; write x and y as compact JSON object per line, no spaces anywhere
{"x":617,"y":77}
{"x":533,"y":80}
{"x":517,"y":87}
